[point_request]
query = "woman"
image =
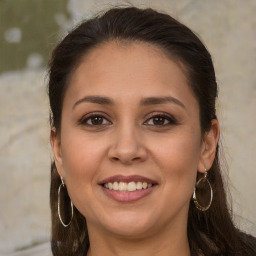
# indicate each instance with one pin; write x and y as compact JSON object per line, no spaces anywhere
{"x":135,"y":137}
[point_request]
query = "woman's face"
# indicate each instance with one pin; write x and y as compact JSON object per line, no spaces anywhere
{"x":130,"y":143}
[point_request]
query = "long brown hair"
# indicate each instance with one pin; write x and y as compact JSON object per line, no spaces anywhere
{"x":211,"y":232}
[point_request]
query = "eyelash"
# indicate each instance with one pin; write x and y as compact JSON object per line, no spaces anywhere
{"x":171,"y":120}
{"x":90,"y":116}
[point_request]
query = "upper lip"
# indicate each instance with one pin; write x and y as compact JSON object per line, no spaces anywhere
{"x":127,"y":179}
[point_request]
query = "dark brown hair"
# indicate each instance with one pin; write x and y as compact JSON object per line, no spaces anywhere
{"x":211,"y":232}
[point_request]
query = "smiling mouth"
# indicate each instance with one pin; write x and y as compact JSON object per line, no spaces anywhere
{"x":127,"y":186}
{"x":131,"y":183}
{"x":127,"y":189}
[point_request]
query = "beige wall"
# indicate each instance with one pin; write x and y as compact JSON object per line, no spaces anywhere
{"x":227,"y":28}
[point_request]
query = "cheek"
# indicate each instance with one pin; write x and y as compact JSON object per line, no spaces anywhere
{"x":178,"y":159}
{"x":81,"y":161}
{"x":181,"y":149}
{"x":80,"y":152}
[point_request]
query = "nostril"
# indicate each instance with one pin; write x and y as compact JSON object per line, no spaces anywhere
{"x":127,"y":153}
{"x":125,"y":160}
{"x":115,"y":158}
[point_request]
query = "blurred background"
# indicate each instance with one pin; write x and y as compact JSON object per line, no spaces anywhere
{"x":29,"y":29}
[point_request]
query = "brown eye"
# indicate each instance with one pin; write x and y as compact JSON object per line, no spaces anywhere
{"x":160,"y":120}
{"x":94,"y":120}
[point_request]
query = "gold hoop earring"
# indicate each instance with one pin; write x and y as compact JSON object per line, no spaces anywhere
{"x":62,"y":185}
{"x":200,"y":185}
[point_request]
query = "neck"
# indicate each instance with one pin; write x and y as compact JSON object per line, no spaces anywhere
{"x":164,"y":243}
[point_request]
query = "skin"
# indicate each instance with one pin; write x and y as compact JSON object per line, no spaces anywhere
{"x":129,"y":141}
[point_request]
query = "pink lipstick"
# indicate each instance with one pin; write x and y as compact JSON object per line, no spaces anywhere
{"x":128,"y":188}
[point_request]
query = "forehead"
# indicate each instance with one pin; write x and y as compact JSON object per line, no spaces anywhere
{"x":128,"y":70}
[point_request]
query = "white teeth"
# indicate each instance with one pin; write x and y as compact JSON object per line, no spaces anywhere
{"x":110,"y":185}
{"x":139,"y":185}
{"x":115,"y":186}
{"x":122,"y":186}
{"x":131,"y":186}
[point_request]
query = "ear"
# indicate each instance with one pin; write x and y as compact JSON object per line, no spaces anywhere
{"x":56,"y":149}
{"x":208,"y":147}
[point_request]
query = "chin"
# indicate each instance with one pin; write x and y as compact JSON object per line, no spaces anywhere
{"x":127,"y":224}
{"x":130,"y":231}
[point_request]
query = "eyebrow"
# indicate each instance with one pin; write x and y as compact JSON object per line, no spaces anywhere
{"x":95,"y":99}
{"x":102,"y":100}
{"x":161,"y":100}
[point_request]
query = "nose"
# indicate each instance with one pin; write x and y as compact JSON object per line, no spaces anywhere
{"x":127,"y":146}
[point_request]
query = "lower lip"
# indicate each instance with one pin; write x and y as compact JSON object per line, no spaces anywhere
{"x":128,"y":196}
